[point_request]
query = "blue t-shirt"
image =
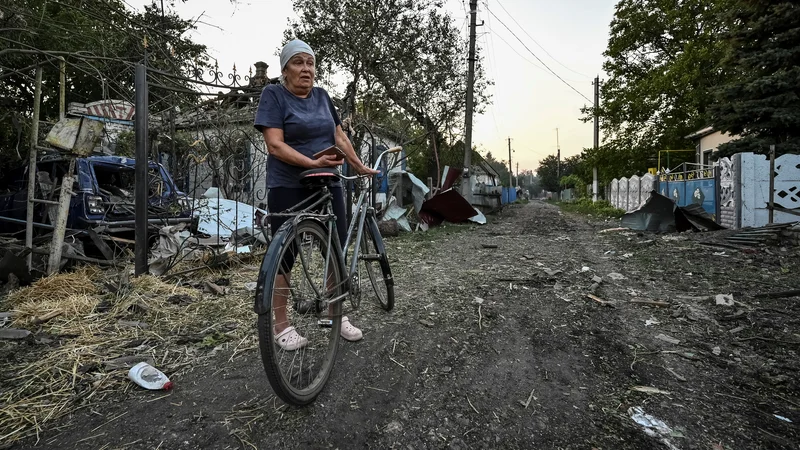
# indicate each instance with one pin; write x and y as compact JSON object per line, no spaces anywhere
{"x":308,"y":124}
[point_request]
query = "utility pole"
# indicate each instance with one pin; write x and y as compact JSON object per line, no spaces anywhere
{"x":510,"y":173}
{"x":517,"y":183}
{"x":771,"y":183}
{"x":558,"y":165}
{"x":558,"y":158}
{"x":466,"y":189}
{"x":596,"y":134}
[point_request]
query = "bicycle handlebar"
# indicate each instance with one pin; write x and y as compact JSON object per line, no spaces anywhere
{"x":377,"y":163}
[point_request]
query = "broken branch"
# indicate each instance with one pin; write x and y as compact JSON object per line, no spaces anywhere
{"x":782,"y":294}
{"x":600,"y":300}
{"x":650,"y":303}
{"x":46,"y":317}
{"x":473,"y":407}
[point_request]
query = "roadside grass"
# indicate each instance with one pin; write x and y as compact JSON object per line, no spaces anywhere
{"x":600,"y":208}
{"x":434,"y":233}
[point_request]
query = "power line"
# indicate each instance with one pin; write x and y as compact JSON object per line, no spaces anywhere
{"x":535,"y":56}
{"x":540,"y":46}
{"x":493,"y":68}
{"x":519,"y":54}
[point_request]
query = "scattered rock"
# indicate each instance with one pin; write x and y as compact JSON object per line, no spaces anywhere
{"x":14,"y":334}
{"x":649,"y":390}
{"x":213,"y":288}
{"x":724,"y":299}
{"x":394,"y":427}
{"x":669,"y":339}
{"x":133,"y":324}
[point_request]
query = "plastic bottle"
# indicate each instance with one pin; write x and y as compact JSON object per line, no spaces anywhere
{"x":149,"y":377}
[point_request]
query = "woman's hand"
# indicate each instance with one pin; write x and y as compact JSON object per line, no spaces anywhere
{"x":326,"y":161}
{"x":364,"y":170}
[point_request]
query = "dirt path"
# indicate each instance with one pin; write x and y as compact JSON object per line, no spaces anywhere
{"x":501,"y":348}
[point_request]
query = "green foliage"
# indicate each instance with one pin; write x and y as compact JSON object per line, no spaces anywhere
{"x":214,"y":339}
{"x":501,"y":167}
{"x":530,"y":182}
{"x":126,"y":144}
{"x":575,"y":182}
{"x":660,"y":58}
{"x":761,"y":99}
{"x":548,"y":171}
{"x":398,"y":56}
{"x":101,"y":40}
{"x":600,"y":208}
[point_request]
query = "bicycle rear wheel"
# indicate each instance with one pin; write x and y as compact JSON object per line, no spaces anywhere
{"x":298,"y":369}
{"x":373,"y":253}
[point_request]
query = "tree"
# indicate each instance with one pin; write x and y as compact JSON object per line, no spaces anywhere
{"x":100,"y":40}
{"x":530,"y":182}
{"x":548,"y":171}
{"x":501,"y":167}
{"x":761,"y":101}
{"x":660,"y":59}
{"x":405,"y":55}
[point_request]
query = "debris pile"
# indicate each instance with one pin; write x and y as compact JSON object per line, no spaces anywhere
{"x":81,"y":331}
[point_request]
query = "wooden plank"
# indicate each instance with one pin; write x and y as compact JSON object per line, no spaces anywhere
{"x":41,"y":251}
{"x":101,"y":245}
{"x":45,"y":202}
{"x":37,"y":100}
{"x":54,"y":262}
{"x":118,"y":239}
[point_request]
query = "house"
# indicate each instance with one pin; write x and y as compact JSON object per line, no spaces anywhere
{"x":706,"y":142}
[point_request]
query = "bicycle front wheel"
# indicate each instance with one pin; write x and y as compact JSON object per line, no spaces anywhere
{"x":373,"y":253}
{"x":298,"y":326}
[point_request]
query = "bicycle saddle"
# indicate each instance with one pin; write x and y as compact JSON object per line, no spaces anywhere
{"x":318,"y":177}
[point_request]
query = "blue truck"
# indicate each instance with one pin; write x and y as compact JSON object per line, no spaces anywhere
{"x":103,"y":195}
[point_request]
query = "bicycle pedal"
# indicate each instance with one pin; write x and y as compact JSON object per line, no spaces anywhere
{"x":327,"y":323}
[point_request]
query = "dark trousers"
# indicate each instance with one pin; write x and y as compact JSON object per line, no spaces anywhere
{"x":280,"y":199}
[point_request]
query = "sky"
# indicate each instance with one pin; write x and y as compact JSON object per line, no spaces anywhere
{"x":530,"y":104}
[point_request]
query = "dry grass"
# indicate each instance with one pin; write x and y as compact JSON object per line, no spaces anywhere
{"x":70,"y":364}
{"x":57,"y":287}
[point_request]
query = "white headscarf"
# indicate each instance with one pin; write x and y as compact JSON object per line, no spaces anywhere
{"x":292,"y":48}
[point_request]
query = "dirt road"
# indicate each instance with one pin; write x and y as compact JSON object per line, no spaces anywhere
{"x":501,"y":348}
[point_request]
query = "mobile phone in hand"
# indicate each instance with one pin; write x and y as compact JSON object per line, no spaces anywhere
{"x":332,"y":150}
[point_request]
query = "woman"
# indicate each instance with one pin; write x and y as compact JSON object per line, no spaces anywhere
{"x":298,"y":120}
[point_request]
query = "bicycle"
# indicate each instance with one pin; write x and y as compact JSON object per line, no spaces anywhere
{"x":314,"y":306}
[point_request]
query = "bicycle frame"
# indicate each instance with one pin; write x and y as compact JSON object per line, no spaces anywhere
{"x":362,"y":210}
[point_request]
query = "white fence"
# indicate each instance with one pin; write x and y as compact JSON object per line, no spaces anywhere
{"x":631,"y":193}
{"x":743,"y":190}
